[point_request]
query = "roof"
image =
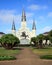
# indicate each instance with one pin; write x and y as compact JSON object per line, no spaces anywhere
{"x":2,"y":33}
{"x":46,"y":33}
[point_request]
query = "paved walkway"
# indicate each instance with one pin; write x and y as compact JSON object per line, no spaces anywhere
{"x":27,"y":57}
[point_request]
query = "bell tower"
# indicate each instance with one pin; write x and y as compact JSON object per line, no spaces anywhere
{"x":33,"y":29}
{"x":23,"y":19}
{"x":23,"y":16}
{"x":13,"y":29}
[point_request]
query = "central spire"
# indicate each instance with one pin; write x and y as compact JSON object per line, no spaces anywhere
{"x":23,"y":16}
{"x":13,"y":26}
{"x":34,"y":26}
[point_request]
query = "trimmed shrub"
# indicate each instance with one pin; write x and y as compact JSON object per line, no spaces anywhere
{"x":46,"y":57}
{"x":7,"y":58}
{"x":8,"y":41}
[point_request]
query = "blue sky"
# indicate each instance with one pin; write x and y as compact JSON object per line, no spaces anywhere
{"x":38,"y":10}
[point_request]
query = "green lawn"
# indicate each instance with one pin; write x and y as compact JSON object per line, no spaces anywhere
{"x":46,"y":51}
{"x":5,"y":52}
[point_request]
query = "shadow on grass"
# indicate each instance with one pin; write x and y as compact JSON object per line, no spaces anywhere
{"x":17,"y":48}
{"x":42,"y":48}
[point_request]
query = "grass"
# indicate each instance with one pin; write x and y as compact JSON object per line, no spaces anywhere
{"x":45,"y":53}
{"x":8,"y":52}
{"x":7,"y":58}
{"x":46,"y":57}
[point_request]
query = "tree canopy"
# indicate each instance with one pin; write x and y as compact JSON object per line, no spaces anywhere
{"x":9,"y":40}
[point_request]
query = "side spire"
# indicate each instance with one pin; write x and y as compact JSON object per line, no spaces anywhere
{"x":23,"y":16}
{"x":33,"y":26}
{"x":13,"y":26}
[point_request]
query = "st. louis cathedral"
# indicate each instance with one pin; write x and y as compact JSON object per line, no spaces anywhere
{"x":24,"y":32}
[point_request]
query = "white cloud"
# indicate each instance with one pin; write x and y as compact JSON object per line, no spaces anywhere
{"x":7,"y":11}
{"x":41,"y":17}
{"x":34,"y":7}
{"x":28,"y":0}
{"x":8,"y":15}
{"x":30,"y":22}
{"x":37,"y":7}
{"x":45,"y":29}
{"x":44,"y":7}
{"x":7,"y":31}
{"x":29,"y":14}
{"x":50,"y":14}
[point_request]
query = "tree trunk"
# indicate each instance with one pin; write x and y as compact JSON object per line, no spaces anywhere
{"x":7,"y":45}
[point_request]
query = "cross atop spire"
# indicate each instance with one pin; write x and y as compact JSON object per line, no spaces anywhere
{"x":13,"y":26}
{"x":34,"y":26}
{"x":23,"y":16}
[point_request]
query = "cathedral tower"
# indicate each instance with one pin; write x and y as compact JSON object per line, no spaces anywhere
{"x":13,"y":29}
{"x":23,"y":16}
{"x":23,"y":20}
{"x":33,"y":29}
{"x":23,"y":33}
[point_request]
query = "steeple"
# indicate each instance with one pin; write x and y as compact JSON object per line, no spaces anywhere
{"x":13,"y":26}
{"x":34,"y":26}
{"x":23,"y":16}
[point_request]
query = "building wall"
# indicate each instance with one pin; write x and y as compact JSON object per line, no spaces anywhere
{"x":1,"y":35}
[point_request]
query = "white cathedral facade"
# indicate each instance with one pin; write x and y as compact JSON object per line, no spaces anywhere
{"x":24,"y":32}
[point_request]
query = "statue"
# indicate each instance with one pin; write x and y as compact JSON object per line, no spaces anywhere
{"x":24,"y":35}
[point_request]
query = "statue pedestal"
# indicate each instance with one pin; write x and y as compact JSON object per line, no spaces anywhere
{"x":24,"y":41}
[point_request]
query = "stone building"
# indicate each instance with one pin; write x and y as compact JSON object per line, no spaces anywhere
{"x":24,"y":33}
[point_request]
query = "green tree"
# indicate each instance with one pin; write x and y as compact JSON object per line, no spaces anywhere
{"x":34,"y":40}
{"x":40,"y":38}
{"x":46,"y":38}
{"x":50,"y":36}
{"x":8,"y":41}
{"x":50,"y":33}
{"x":51,"y":39}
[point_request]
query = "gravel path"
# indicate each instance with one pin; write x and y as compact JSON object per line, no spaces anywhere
{"x":27,"y":57}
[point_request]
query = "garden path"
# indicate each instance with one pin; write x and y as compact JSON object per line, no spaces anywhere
{"x":27,"y":57}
